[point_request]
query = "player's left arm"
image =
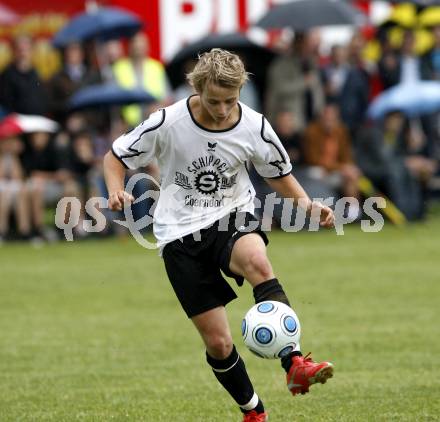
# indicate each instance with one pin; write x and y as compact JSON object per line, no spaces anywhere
{"x":288,"y":187}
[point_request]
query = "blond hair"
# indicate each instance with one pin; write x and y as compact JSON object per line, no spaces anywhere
{"x":220,"y":67}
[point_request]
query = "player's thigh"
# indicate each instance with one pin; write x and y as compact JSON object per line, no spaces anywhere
{"x":249,"y":256}
{"x":197,"y":282}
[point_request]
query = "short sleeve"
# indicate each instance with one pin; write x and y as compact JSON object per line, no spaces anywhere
{"x":270,"y":158}
{"x":138,"y":147}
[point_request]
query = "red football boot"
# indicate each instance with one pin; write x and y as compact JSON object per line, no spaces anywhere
{"x":253,"y":416}
{"x":304,"y":372}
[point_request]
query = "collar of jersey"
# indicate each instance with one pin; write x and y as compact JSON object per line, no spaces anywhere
{"x":213,"y":130}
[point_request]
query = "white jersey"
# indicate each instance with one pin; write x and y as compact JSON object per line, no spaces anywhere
{"x":203,"y":172}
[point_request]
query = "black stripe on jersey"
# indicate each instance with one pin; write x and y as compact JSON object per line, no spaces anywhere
{"x":246,"y":166}
{"x":278,"y":177}
{"x":276,"y":163}
{"x":135,"y":151}
{"x":119,"y":158}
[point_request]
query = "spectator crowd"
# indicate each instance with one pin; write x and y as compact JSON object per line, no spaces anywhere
{"x":317,"y":105}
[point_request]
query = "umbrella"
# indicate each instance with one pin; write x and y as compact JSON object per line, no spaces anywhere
{"x":105,"y":23}
{"x":108,"y":95}
{"x":257,"y":58}
{"x":430,"y":16}
{"x":16,"y":124}
{"x":9,"y":129}
{"x":421,"y":3}
{"x":302,"y":15}
{"x":8,"y":16}
{"x":413,"y":99}
{"x":403,"y":15}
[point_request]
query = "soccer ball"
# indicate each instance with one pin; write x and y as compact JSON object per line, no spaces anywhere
{"x":271,"y":330}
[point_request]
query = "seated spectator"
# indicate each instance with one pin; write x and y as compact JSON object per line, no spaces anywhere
{"x":327,"y":147}
{"x":82,"y":161}
{"x":431,"y":68}
{"x":419,"y":154}
{"x":49,"y":178}
{"x":387,"y":155}
{"x":13,"y":195}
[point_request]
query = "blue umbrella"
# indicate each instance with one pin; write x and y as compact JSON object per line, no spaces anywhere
{"x":104,"y":23}
{"x":106,"y":95}
{"x":412,"y":99}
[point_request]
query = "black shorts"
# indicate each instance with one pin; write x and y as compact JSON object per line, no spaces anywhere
{"x":193,"y":264}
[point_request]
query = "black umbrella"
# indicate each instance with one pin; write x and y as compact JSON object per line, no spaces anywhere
{"x":256,"y":57}
{"x":302,"y":15}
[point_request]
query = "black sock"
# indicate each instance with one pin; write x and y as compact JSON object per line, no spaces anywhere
{"x":270,"y":290}
{"x":231,"y":373}
{"x":286,"y":361}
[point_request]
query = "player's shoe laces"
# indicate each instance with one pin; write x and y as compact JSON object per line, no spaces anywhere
{"x":304,"y":372}
{"x":253,"y":416}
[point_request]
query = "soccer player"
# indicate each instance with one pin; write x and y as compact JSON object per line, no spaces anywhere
{"x":204,"y":222}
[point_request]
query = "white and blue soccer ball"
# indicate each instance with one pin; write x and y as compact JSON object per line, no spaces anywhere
{"x":271,"y":330}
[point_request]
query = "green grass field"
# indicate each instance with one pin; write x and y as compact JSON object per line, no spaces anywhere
{"x":91,"y":331}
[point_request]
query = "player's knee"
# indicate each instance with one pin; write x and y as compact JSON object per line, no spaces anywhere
{"x":219,"y":346}
{"x":259,"y":264}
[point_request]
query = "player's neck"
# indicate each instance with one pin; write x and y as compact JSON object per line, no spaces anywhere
{"x":204,"y":119}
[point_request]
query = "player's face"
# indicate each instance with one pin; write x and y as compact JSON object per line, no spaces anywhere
{"x":219,"y":102}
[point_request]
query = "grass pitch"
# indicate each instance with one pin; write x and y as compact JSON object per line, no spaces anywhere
{"x":92,"y":331}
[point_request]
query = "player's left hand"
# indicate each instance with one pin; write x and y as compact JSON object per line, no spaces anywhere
{"x":326,"y":215}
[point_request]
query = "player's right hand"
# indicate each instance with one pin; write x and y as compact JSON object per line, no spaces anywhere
{"x":326,"y":215}
{"x":117,"y":200}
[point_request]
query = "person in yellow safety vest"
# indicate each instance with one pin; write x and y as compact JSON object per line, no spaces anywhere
{"x":139,"y":70}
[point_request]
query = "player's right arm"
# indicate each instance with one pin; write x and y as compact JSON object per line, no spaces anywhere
{"x":132,"y":150}
{"x":114,"y":173}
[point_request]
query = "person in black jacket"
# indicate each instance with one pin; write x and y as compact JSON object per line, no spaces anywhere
{"x":21,"y":89}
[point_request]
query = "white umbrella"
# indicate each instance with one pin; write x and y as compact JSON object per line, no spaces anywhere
{"x":23,"y":123}
{"x":8,"y":16}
